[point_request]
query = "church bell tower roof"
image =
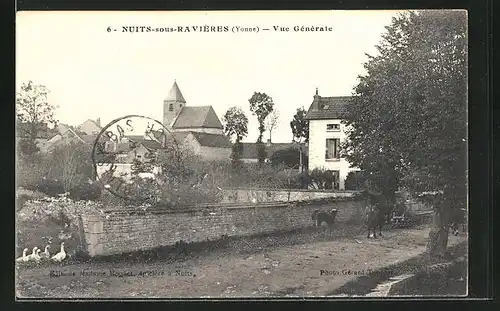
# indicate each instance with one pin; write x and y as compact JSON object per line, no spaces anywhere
{"x":175,"y":94}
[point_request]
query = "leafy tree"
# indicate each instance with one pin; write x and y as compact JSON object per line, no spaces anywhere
{"x":272,"y":122}
{"x":407,"y":122}
{"x":35,"y":113}
{"x":235,"y":126}
{"x":235,"y":123}
{"x":261,"y":105}
{"x":300,"y":126}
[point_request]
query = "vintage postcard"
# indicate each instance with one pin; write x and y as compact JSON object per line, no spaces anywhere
{"x":241,"y":154}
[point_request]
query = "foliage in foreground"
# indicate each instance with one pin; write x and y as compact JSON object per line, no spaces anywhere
{"x":408,"y":125}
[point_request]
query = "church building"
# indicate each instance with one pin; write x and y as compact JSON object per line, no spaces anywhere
{"x":195,"y":126}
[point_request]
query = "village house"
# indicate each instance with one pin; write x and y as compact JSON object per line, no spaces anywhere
{"x":326,"y":133}
{"x":64,"y":134}
{"x":91,"y":127}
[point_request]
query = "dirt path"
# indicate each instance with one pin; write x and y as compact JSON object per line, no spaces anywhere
{"x":292,"y":270}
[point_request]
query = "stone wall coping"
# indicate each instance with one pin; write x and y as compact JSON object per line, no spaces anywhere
{"x":292,"y":190}
{"x":227,"y":206}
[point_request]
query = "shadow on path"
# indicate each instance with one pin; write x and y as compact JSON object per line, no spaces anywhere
{"x":432,"y":276}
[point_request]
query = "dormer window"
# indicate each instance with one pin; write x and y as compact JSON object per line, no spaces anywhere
{"x":333,"y":127}
{"x":171,"y":107}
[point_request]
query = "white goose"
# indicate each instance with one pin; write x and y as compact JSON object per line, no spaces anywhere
{"x":45,"y":254}
{"x":37,"y":255}
{"x":61,"y":255}
{"x":32,"y":256}
{"x":24,"y":258}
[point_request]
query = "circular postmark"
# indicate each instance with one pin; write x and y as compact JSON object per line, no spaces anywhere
{"x":126,"y":155}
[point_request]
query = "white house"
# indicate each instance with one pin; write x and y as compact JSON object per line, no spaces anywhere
{"x":326,"y":132}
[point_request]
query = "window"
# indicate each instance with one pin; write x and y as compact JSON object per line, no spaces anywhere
{"x":180,"y":105}
{"x":332,"y":148}
{"x":333,"y":127}
{"x":171,"y":107}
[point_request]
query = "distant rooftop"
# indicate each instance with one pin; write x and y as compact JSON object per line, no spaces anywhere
{"x":197,"y":117}
{"x":323,"y":108}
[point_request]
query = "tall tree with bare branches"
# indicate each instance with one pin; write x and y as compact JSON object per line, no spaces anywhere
{"x":272,"y":122}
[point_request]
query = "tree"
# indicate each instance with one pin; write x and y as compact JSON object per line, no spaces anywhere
{"x":300,"y":126}
{"x":181,"y":177}
{"x":272,"y":122}
{"x":235,"y":126}
{"x":407,"y":121}
{"x":71,"y":164}
{"x":34,"y":113}
{"x":261,"y":105}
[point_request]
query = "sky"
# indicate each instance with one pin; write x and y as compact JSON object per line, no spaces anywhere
{"x":92,"y":73}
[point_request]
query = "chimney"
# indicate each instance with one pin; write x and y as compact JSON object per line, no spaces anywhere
{"x":316,"y":100}
{"x":98,"y":121}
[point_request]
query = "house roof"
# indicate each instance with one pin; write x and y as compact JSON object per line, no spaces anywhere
{"x":135,"y":137}
{"x":250,"y":149}
{"x":123,"y":147}
{"x":175,"y":94}
{"x":90,"y":126}
{"x":89,"y":139}
{"x":328,"y":108}
{"x":212,"y":140}
{"x":140,"y":139}
{"x":62,"y":128}
{"x":151,"y":144}
{"x":197,"y":117}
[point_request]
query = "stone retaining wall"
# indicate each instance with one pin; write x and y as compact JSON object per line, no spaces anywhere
{"x":125,"y":231}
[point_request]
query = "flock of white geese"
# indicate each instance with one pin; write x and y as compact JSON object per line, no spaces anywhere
{"x":37,"y":255}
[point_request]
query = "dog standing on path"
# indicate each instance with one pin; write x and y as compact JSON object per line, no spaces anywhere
{"x":327,"y":217}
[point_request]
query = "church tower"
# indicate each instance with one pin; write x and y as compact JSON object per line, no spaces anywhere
{"x":172,"y":105}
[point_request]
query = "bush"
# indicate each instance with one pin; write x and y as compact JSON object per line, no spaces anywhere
{"x":86,"y":191}
{"x":304,"y":180}
{"x":50,"y":187}
{"x":30,"y":171}
{"x":66,"y":169}
{"x":354,"y":181}
{"x":261,"y":152}
{"x":182,"y":182}
{"x":323,"y":179}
